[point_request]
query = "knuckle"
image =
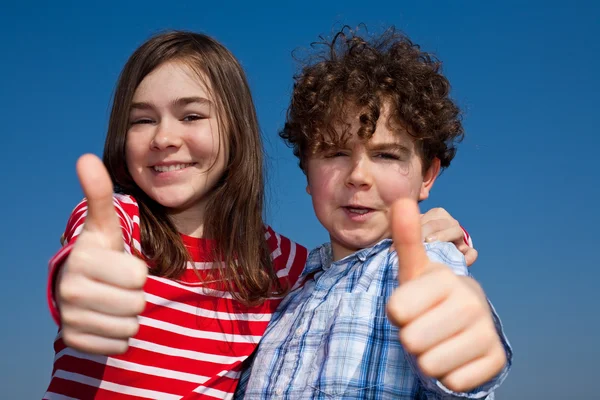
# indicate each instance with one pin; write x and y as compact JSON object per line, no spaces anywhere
{"x":445,"y":274}
{"x":410,"y":341}
{"x":490,"y":337}
{"x":395,"y":310}
{"x":139,"y":274}
{"x":138,"y":304}
{"x":76,"y":261}
{"x":69,"y":319}
{"x":456,"y":383}
{"x":69,"y":338}
{"x":120,"y":347}
{"x":70,"y":291}
{"x":74,"y":340}
{"x":428,"y":366}
{"x":439,"y":211}
{"x":500,"y":357}
{"x":133,"y":328}
{"x":470,"y":309}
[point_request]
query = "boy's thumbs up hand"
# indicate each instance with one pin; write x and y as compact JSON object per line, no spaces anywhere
{"x":444,"y":319}
{"x":99,"y":288}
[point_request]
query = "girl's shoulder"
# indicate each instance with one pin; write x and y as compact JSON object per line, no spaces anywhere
{"x":288,"y":257}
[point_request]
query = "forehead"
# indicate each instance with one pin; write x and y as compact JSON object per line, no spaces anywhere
{"x":173,"y":79}
{"x":388,"y":130}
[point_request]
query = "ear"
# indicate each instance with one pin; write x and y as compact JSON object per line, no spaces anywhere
{"x":308,"y":188}
{"x":429,"y":179}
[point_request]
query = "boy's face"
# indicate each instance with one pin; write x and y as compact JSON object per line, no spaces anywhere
{"x":353,"y":187}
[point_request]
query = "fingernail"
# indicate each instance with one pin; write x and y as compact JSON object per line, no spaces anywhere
{"x":430,"y":239}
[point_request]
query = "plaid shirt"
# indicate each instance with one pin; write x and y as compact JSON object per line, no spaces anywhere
{"x":331,"y":339}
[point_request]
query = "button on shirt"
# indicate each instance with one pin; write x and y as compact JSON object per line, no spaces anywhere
{"x":331,"y":338}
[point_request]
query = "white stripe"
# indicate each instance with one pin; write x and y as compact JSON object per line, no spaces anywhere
{"x":195,"y":333}
{"x":56,"y":396}
{"x":77,"y":231}
{"x":192,"y":355}
{"x":81,"y":219}
{"x":137,"y":245}
{"x":202,"y":312}
{"x":290,"y":261}
{"x":124,"y":232}
{"x":230,"y":374}
{"x":200,"y":265}
{"x":114,"y":387}
{"x":219,"y":394}
{"x":125,"y":198}
{"x":276,"y":253}
{"x":125,"y":216}
{"x":201,"y":290}
{"x":130,"y":366}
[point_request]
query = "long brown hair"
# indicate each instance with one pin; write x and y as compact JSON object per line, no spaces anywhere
{"x":235,"y":219}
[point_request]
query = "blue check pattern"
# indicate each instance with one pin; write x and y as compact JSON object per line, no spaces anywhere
{"x":331,"y":339}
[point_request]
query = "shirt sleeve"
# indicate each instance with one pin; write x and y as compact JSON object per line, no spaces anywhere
{"x":123,"y":204}
{"x":288,"y":257}
{"x":448,"y":254}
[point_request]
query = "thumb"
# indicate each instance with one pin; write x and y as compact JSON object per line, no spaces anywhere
{"x":98,"y":190}
{"x":406,"y":233}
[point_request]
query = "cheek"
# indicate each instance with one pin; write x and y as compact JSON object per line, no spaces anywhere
{"x":323,"y":181}
{"x":206,"y":143}
{"x":400,"y":183}
{"x":131,"y":154}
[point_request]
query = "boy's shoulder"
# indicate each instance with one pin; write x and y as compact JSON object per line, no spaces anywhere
{"x":441,"y":252}
{"x":447,"y":253}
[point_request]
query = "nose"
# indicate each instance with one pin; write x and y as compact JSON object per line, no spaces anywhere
{"x":165,"y":136}
{"x":359,"y":175}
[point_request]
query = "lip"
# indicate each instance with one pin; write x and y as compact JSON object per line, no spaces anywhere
{"x":355,"y":216}
{"x":169,"y":163}
{"x":174,"y":172}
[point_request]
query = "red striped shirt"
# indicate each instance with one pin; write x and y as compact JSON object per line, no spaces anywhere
{"x":192,"y":338}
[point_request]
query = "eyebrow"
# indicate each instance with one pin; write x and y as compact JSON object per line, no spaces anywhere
{"x":389,"y":147}
{"x":179,"y":102}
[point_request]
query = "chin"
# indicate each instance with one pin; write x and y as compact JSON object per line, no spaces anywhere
{"x":359,"y":243}
{"x":170,"y":202}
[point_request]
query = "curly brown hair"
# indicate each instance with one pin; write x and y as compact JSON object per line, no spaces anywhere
{"x":352,"y":72}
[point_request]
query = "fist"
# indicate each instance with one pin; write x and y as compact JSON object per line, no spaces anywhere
{"x":99,"y":289}
{"x":444,"y":319}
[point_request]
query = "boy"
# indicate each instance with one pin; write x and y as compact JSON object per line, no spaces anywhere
{"x":372,"y":126}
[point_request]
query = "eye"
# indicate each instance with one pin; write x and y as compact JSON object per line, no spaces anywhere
{"x":142,"y":121}
{"x":335,"y":154}
{"x":192,"y":117}
{"x":387,"y":156}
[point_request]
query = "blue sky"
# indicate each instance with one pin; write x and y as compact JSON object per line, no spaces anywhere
{"x":523,"y":183}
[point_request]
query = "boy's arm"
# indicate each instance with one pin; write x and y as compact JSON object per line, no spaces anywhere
{"x":445,"y":321}
{"x":438,"y":225}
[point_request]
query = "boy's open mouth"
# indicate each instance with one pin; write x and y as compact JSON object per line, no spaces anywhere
{"x":357,"y":210}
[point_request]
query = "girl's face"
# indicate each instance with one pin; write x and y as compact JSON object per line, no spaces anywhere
{"x":175,"y":151}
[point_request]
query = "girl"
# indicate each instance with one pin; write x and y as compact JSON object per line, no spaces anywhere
{"x":183,"y":149}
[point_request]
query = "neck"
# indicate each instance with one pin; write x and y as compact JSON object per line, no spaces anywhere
{"x":189,"y":222}
{"x":340,"y":251}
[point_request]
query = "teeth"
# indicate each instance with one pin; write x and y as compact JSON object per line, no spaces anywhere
{"x":358,"y":210}
{"x":167,"y":168}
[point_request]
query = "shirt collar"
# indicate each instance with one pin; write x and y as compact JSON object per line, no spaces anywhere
{"x":321,"y":258}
